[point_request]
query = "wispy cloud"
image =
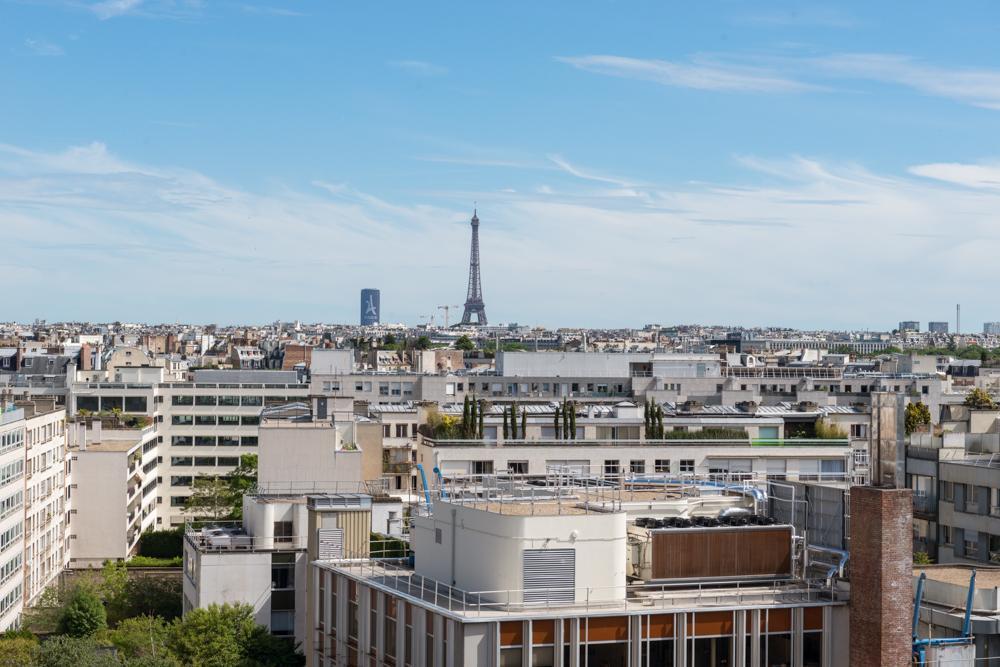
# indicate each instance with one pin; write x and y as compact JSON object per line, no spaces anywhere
{"x":270,"y":10}
{"x":978,"y":87}
{"x":980,"y":176}
{"x":419,"y":67}
{"x":700,"y":73}
{"x":586,"y":174}
{"x":40,"y":47}
{"x":111,"y":8}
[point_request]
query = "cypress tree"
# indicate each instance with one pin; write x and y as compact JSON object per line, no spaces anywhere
{"x":645,"y":416}
{"x":506,"y":426}
{"x":524,"y":425}
{"x":513,"y":421}
{"x":466,"y":414}
{"x":557,"y":423}
{"x":481,"y":429}
{"x":572,"y":420}
{"x":659,"y":421}
{"x":565,"y":416}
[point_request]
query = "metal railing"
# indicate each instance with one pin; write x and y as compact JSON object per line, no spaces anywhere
{"x":396,"y":575}
{"x":224,"y":536}
{"x":662,"y":442}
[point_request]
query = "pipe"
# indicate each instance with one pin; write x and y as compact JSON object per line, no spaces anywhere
{"x":917,"y":599}
{"x":423,"y":479}
{"x":440,"y":479}
{"x":967,"y":624}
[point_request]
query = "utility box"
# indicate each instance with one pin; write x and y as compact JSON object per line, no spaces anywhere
{"x":960,"y":655}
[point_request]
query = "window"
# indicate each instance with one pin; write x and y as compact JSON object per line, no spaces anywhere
{"x":223,"y":461}
{"x":687,"y":466}
{"x":249,"y":441}
{"x":204,"y":420}
{"x":182,"y":400}
{"x":612,"y":466}
{"x":181,"y":441}
{"x":401,"y":430}
{"x":181,"y":480}
{"x":637,"y":467}
{"x":178,"y":501}
{"x":229,"y":400}
{"x":948,"y":492}
{"x":204,"y":441}
{"x":205,"y":400}
{"x":251,"y":400}
{"x":946,"y":535}
{"x":135,"y":404}
{"x":229,"y":441}
{"x":971,"y":541}
{"x":661,"y":465}
{"x":229,"y":420}
{"x":383,"y":389}
{"x":482,"y":467}
{"x":182,"y":420}
{"x":180,"y":460}
{"x":282,"y":532}
{"x":250,"y":421}
{"x":386,"y":431}
{"x":517,"y":467}
{"x":859,"y":431}
{"x":204,"y":461}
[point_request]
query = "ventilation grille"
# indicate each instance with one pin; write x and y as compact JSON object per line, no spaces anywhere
{"x":331,"y":543}
{"x":549,"y":575}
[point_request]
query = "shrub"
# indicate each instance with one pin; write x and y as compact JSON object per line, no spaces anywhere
{"x":84,"y":613}
{"x":162,"y":543}
{"x":147,"y":561}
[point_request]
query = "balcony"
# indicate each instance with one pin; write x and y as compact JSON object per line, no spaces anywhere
{"x":924,"y":503}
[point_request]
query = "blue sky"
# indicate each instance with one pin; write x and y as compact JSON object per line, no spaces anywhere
{"x":719,"y":162}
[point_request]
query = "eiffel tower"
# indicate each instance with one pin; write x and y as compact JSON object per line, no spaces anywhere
{"x":474,"y":299}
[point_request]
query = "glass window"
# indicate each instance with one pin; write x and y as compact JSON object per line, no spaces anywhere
{"x":229,"y":400}
{"x":687,"y":465}
{"x":181,"y":480}
{"x":180,"y":460}
{"x":249,"y":441}
{"x":229,"y":420}
{"x":204,"y":461}
{"x":251,"y":400}
{"x":205,"y":400}
{"x":182,"y":420}
{"x":229,"y":441}
{"x":661,"y":465}
{"x":135,"y":404}
{"x":181,"y":440}
{"x":182,"y":400}
{"x":204,"y":420}
{"x":204,"y":441}
{"x":223,"y":461}
{"x":250,"y":420}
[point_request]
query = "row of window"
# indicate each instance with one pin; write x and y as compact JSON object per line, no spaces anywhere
{"x":10,"y":568}
{"x":214,"y":420}
{"x":213,"y":440}
{"x":10,"y":536}
{"x":11,"y":440}
{"x":11,"y":472}
{"x":211,"y":400}
{"x":178,"y":461}
{"x":9,"y":600}
{"x":109,"y":403}
{"x":11,"y":504}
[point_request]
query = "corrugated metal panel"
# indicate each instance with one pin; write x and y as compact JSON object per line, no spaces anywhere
{"x":331,"y":543}
{"x":548,"y":569}
{"x":722,"y":552}
{"x":357,"y":527}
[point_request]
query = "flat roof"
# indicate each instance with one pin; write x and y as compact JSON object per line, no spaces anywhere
{"x":108,"y":446}
{"x":988,"y":577}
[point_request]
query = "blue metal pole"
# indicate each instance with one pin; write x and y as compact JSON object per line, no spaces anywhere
{"x":967,"y":624}
{"x":918,"y":598}
{"x":423,"y":478}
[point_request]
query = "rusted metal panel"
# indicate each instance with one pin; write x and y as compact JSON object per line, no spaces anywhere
{"x":722,"y":552}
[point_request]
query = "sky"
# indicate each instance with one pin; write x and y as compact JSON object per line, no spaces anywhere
{"x":719,"y":162}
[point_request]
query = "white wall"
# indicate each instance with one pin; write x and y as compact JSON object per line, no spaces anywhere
{"x":288,"y":454}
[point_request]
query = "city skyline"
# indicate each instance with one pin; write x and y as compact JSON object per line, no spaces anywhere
{"x":740,"y":145}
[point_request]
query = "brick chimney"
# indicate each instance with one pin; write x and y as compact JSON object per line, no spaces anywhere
{"x":881,"y":573}
{"x":85,"y":359}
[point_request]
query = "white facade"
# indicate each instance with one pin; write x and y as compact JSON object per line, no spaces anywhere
{"x":46,"y":550}
{"x":12,"y":436}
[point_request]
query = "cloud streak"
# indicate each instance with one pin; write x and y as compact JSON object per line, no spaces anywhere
{"x":112,"y":8}
{"x":40,"y":47}
{"x":699,"y":73}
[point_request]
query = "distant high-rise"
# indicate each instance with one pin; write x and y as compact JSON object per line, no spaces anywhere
{"x":370,"y":307}
{"x":991,"y":328}
{"x":909,"y":325}
{"x":474,"y":298}
{"x":937,"y":327}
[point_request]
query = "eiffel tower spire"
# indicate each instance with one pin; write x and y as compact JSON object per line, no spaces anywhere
{"x":474,"y":298}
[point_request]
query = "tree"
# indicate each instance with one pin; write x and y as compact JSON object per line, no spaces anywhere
{"x":466,"y":417}
{"x":506,"y":426}
{"x":524,"y":425}
{"x":917,"y":415}
{"x":389,"y":340}
{"x":114,"y":590}
{"x":141,"y":636}
{"x":66,"y":651}
{"x":557,"y":422}
{"x":423,"y":343}
{"x":212,"y":636}
{"x":513,"y":421}
{"x":482,"y":430}
{"x":17,"y":650}
{"x":84,"y":613}
{"x":154,"y":596}
{"x":979,"y":400}
{"x":572,"y":420}
{"x":464,"y":343}
{"x":162,"y":543}
{"x":262,"y":649}
{"x":921,"y":558}
{"x":221,"y":497}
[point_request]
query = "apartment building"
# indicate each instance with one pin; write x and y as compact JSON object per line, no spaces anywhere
{"x":112,"y":500}
{"x":202,"y":426}
{"x":46,"y":545}
{"x":585,"y":572}
{"x":12,"y":459}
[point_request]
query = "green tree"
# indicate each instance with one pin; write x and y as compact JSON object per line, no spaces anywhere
{"x":466,"y":417}
{"x":262,"y":649}
{"x":221,"y":496}
{"x":162,"y":543}
{"x":141,"y":636}
{"x":464,"y":343}
{"x":114,"y":590}
{"x":921,"y":558}
{"x":513,"y":421}
{"x":482,"y":424}
{"x":423,"y":343}
{"x":506,"y":426}
{"x":979,"y":400}
{"x":917,"y":415}
{"x":389,"y":340}
{"x":17,"y":650}
{"x":524,"y":424}
{"x":572,"y":420}
{"x":212,"y":636}
{"x":84,"y":613}
{"x":557,"y":422}
{"x":154,"y":596}
{"x":67,"y":651}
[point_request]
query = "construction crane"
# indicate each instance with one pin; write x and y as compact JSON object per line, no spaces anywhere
{"x":446,"y":309}
{"x":430,"y":319}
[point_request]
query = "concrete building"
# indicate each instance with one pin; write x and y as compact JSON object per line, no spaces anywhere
{"x":580,"y":573}
{"x":12,"y":458}
{"x":942,"y":613}
{"x":112,"y":499}
{"x":909,"y":325}
{"x":991,"y":328}
{"x":937,"y":327}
